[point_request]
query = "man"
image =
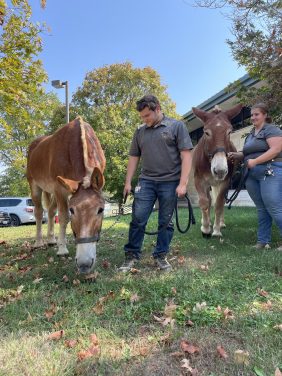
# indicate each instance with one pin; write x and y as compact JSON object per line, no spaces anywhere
{"x":164,"y":146}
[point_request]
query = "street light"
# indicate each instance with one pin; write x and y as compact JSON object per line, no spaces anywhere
{"x":59,"y":85}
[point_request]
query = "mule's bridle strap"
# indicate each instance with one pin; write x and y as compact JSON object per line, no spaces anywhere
{"x":90,"y":239}
{"x":217,"y":150}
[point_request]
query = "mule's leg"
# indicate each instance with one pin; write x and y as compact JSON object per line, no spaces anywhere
{"x":205,"y":205}
{"x":51,"y":207}
{"x":36,"y":194}
{"x":219,"y":210}
{"x":63,"y":221}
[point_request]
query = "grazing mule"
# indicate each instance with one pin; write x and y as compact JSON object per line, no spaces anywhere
{"x":212,"y":170}
{"x":67,"y":167}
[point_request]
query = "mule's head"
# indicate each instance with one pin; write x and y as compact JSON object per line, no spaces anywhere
{"x":216,"y":138}
{"x":86,"y":207}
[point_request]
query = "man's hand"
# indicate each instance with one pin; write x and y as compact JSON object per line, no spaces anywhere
{"x":181,"y":190}
{"x":126,"y":189}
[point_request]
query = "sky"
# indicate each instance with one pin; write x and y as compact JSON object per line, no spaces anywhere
{"x":186,"y":45}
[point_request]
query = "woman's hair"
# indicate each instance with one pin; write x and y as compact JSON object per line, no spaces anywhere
{"x":264,"y":109}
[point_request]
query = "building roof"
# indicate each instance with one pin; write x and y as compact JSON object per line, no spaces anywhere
{"x":223,"y":98}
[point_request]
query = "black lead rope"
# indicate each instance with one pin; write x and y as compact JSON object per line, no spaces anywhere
{"x":243,"y":178}
{"x":191,"y":218}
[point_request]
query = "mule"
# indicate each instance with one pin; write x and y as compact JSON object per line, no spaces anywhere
{"x":212,"y":169}
{"x":67,"y":168}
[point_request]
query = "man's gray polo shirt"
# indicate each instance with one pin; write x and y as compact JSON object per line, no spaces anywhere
{"x":159,"y":148}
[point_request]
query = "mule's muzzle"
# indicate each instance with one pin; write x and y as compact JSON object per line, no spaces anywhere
{"x":85,"y":267}
{"x":219,"y":173}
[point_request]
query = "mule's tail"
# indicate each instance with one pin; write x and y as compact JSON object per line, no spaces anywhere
{"x":48,"y":200}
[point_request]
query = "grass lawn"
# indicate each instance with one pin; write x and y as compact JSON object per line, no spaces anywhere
{"x":219,"y":313}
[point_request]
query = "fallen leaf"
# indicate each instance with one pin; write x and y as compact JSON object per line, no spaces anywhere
{"x":92,"y":276}
{"x":241,"y":357}
{"x":65,"y":278}
{"x":76,"y":282}
{"x":70,"y":343}
{"x":186,"y":364}
{"x":221,"y":352}
{"x":262,"y":292}
{"x":188,"y":347}
{"x":56,"y":335}
{"x":170,"y":309}
{"x":134,"y":298}
{"x":166,"y":339}
{"x":144,"y":351}
{"x":181,"y":260}
{"x":173,"y":290}
{"x":98,"y":308}
{"x":92,"y":351}
{"x":37,"y":280}
{"x":51,"y":260}
{"x":279,"y":327}
{"x":106,"y":264}
{"x":204,"y":267}
{"x":258,"y":371}
{"x":134,"y":271}
{"x":200,"y":307}
{"x":189,"y":323}
{"x":177,"y":354}
{"x":94,"y":339}
{"x":228,"y":314}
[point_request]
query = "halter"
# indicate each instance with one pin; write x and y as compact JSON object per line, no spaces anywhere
{"x":217,"y":150}
{"x":90,"y":239}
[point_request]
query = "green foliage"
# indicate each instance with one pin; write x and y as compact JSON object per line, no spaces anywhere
{"x":257,"y":45}
{"x":24,"y":106}
{"x":107,"y":100}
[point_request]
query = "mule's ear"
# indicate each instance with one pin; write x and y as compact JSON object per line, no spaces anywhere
{"x":234,"y":111}
{"x":97,"y":179}
{"x":202,"y":115}
{"x":70,"y":185}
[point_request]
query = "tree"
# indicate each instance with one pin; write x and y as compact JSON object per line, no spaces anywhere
{"x":24,"y":106}
{"x":107,"y":101}
{"x":257,"y":45}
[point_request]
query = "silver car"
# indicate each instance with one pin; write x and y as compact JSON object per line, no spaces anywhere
{"x":20,"y":209}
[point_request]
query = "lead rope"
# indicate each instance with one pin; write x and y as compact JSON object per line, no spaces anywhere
{"x":191,"y":218}
{"x":243,"y":178}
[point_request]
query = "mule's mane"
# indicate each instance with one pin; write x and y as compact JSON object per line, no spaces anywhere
{"x":216,"y":109}
{"x":86,"y":181}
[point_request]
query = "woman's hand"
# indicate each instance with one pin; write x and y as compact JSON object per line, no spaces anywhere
{"x":235,"y":156}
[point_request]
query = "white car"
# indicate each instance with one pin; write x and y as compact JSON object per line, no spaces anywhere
{"x":20,"y":209}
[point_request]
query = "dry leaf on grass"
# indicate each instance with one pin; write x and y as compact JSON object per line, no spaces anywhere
{"x":173,"y":290}
{"x":262,"y":292}
{"x":134,"y":271}
{"x":241,"y":357}
{"x":56,"y":335}
{"x":37,"y":280}
{"x":204,"y":267}
{"x":94,"y":339}
{"x":186,"y":364}
{"x":65,"y":278}
{"x":278,"y":327}
{"x":181,"y":260}
{"x":70,"y":343}
{"x":106,"y":264}
{"x":134,"y":298}
{"x":76,"y":282}
{"x":189,"y":347}
{"x":49,"y":313}
{"x":92,"y":351}
{"x":221,"y":352}
{"x":92,"y":276}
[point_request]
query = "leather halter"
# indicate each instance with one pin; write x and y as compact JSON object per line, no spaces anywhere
{"x":217,"y":150}
{"x":90,"y":239}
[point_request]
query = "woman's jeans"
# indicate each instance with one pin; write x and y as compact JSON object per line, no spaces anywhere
{"x":266,"y":192}
{"x":145,"y":195}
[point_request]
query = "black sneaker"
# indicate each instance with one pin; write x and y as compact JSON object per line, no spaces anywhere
{"x":162,"y":263}
{"x":128,"y":264}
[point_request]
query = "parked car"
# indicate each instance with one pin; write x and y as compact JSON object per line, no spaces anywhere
{"x":5,"y":219}
{"x":20,"y":209}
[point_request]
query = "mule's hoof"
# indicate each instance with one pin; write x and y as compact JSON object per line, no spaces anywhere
{"x":207,"y":236}
{"x":217,"y":235}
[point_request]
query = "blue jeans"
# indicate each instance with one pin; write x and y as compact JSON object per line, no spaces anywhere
{"x":145,"y":195}
{"x":266,"y":192}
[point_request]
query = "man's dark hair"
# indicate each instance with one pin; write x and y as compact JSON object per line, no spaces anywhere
{"x":149,"y":101}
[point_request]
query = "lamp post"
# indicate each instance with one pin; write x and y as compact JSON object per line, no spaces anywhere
{"x":59,"y":85}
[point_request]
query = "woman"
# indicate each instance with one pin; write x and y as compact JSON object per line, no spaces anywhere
{"x":262,"y":153}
